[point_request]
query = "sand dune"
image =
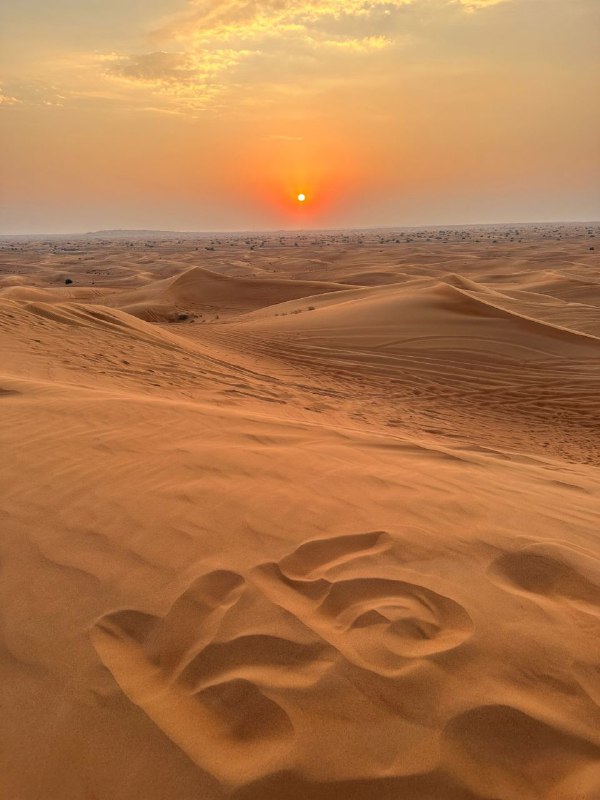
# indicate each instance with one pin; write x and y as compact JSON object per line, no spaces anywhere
{"x":176,"y":299}
{"x":340,"y":542}
{"x":506,"y":371}
{"x":452,"y":315}
{"x":201,"y":291}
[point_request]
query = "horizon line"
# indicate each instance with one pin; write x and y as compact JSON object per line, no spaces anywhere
{"x":257,"y":232}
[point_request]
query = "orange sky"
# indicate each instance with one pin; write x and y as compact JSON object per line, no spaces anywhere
{"x":190,"y":115}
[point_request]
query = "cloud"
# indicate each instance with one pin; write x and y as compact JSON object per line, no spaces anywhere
{"x":315,"y":29}
{"x":241,"y":20}
{"x":190,"y":79}
{"x":204,"y":50}
{"x":8,"y":100}
{"x":367,"y":44}
{"x":204,"y":56}
{"x":31,"y":93}
{"x":164,"y":69}
{"x":474,"y":5}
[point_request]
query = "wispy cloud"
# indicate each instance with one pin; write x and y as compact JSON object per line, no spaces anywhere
{"x":192,"y":79}
{"x":164,"y":69}
{"x":8,"y":100}
{"x":31,"y":93}
{"x":474,"y":5}
{"x":212,"y":40}
{"x":367,"y":44}
{"x":203,"y":49}
{"x":240,"y":19}
{"x":200,"y":57}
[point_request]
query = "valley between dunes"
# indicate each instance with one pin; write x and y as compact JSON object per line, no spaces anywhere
{"x":301,"y":516}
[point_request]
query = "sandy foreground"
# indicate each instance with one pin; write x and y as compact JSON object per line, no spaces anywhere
{"x":301,"y":517}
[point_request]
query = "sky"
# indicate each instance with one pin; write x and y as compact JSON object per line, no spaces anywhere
{"x":214,"y":115}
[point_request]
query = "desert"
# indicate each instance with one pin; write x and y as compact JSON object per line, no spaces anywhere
{"x":305,"y":514}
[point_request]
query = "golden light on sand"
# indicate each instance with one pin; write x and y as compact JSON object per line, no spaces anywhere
{"x":367,"y":607}
{"x":301,"y":197}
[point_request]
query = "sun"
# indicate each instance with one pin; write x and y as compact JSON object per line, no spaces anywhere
{"x":301,"y":197}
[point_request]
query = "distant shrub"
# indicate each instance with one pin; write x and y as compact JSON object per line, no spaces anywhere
{"x":68,"y":281}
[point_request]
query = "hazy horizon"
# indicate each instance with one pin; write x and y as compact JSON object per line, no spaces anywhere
{"x":184,"y":116}
{"x":267,"y":231}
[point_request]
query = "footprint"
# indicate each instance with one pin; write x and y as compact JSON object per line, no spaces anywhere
{"x":272,"y":660}
{"x":378,"y":623}
{"x":187,"y":628}
{"x":551,"y":572}
{"x":382,"y":616}
{"x":235,"y":672}
{"x":319,"y":555}
{"x":248,"y":714}
{"x":499,"y":751}
{"x":225,"y":722}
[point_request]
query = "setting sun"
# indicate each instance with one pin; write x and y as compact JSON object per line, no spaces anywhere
{"x":301,"y":198}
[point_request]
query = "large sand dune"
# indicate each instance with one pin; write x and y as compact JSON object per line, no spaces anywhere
{"x":326,"y":537}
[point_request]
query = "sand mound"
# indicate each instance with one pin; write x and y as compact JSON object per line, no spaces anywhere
{"x":61,"y":294}
{"x":458,"y":317}
{"x":201,"y":290}
{"x":569,"y":288}
{"x":77,"y":315}
{"x":204,"y":286}
{"x":193,"y":293}
{"x":506,"y":367}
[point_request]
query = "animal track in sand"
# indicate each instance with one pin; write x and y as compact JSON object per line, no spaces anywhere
{"x":376,"y":622}
{"x":551,"y":572}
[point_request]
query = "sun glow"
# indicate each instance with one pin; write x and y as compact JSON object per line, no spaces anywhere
{"x":301,"y":197}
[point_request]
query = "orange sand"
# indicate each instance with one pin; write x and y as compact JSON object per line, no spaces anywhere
{"x":313,"y":522}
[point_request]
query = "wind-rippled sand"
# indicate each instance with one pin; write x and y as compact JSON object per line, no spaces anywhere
{"x":301,"y":517}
